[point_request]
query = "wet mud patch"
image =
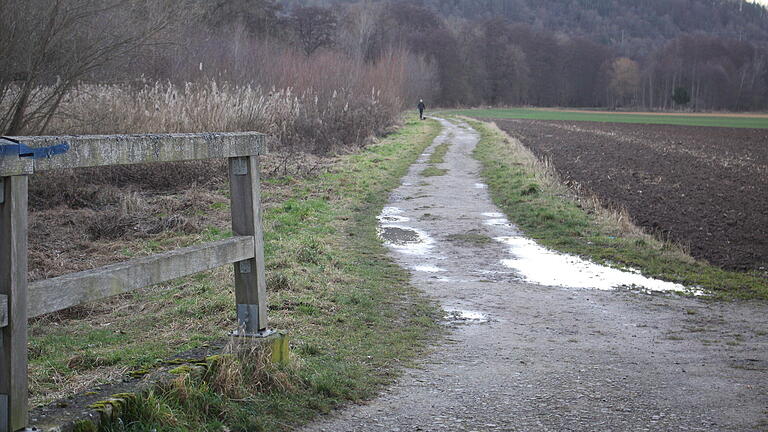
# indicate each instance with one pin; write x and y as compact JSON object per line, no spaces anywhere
{"x":392,"y":214}
{"x":429,"y":269}
{"x":429,"y":217}
{"x":399,"y":236}
{"x":465,"y":317}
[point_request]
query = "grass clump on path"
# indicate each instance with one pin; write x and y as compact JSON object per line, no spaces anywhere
{"x":352,"y":316}
{"x":433,"y":172}
{"x":437,"y":157}
{"x":532,"y":196}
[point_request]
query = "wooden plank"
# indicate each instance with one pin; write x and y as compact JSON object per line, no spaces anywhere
{"x":66,"y":291}
{"x":13,"y":284}
{"x":103,"y":150}
{"x":10,"y":166}
{"x":250,"y":281}
{"x":3,"y":310}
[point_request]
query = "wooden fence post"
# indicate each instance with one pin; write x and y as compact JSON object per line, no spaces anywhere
{"x":250,"y":282}
{"x":13,"y":284}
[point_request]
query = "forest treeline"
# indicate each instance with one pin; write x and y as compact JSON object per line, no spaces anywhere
{"x":357,"y":63}
{"x":651,"y":54}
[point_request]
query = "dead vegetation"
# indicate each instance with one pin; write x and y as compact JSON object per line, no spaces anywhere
{"x":83,"y":219}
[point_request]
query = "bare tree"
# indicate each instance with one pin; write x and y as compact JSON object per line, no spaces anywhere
{"x":625,"y":80}
{"x":257,"y":17}
{"x":48,"y":46}
{"x":315,"y":28}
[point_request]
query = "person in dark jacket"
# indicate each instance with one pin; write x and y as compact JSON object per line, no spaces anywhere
{"x":422,"y":107}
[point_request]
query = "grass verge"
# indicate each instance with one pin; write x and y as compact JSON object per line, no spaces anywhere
{"x":532,"y":196}
{"x":733,"y":121}
{"x":353,"y":318}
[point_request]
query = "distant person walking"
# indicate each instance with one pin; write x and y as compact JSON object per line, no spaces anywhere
{"x":422,"y":107}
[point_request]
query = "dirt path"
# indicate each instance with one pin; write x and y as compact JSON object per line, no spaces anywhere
{"x":525,"y":357}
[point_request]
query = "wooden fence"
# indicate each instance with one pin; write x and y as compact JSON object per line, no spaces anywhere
{"x":20,"y":301}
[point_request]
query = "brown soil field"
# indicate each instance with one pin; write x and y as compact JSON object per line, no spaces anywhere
{"x":705,"y":188}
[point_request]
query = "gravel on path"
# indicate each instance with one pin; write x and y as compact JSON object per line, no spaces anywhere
{"x":525,"y":357}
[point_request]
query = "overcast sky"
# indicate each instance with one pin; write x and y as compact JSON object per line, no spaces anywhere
{"x":764,"y":2}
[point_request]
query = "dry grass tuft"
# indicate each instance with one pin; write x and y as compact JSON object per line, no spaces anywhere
{"x":245,"y":369}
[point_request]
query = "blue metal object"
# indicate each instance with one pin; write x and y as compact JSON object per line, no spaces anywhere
{"x":11,"y":147}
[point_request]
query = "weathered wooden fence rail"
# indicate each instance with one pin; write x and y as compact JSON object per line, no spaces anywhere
{"x":20,"y":301}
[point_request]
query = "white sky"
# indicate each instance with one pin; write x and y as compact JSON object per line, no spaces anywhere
{"x":763,"y":2}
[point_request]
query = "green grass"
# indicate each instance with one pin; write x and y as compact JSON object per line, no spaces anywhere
{"x":613,"y":117}
{"x":433,"y":172}
{"x":353,"y":318}
{"x":438,"y":156}
{"x":546,"y":211}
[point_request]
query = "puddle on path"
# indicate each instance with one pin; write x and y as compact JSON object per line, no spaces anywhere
{"x":460,"y":316}
{"x":392,"y":214}
{"x":497,"y":222}
{"x":406,"y":240}
{"x":400,"y":237}
{"x":493,"y":215}
{"x":428,"y":269}
{"x":539,"y":265}
{"x":481,"y":186}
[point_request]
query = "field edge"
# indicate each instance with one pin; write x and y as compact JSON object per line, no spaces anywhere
{"x":532,"y":196}
{"x":650,"y":118}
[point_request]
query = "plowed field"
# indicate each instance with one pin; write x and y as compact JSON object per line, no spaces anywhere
{"x":706,"y":188}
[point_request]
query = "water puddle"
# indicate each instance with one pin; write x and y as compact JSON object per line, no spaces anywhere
{"x":481,"y":186}
{"x":392,"y":214}
{"x":493,"y":215}
{"x":406,"y":240}
{"x":428,"y":269}
{"x":403,"y":238}
{"x":460,"y":316}
{"x":497,"y":222}
{"x":539,"y":265}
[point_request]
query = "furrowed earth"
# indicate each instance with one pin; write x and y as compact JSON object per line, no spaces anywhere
{"x":706,"y":188}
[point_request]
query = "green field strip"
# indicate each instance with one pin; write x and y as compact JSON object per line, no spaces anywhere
{"x":650,"y":118}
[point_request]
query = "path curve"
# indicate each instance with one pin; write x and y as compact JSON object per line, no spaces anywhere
{"x":550,"y":358}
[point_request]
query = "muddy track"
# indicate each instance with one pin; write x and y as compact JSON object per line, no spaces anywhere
{"x":529,"y":357}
